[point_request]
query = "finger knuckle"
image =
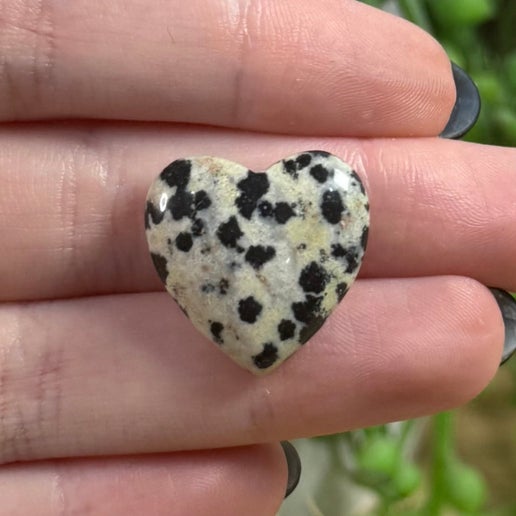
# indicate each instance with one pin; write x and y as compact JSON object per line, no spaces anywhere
{"x":27,"y":53}
{"x":30,"y":384}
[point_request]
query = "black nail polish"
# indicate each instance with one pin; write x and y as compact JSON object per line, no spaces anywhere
{"x":467,"y":106}
{"x":507,"y":306}
{"x":294,"y":466}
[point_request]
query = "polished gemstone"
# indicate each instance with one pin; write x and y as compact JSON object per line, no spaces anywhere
{"x":258,"y":261}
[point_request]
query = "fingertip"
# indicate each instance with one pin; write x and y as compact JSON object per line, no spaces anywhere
{"x":430,"y":90}
{"x":407,"y":85}
{"x":478,"y":343}
{"x":439,"y":350}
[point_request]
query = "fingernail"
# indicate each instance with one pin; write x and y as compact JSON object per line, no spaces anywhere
{"x":507,"y":306}
{"x":293,"y":465}
{"x":467,"y":106}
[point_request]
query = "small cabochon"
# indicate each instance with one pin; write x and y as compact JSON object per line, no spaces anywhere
{"x":258,"y":261}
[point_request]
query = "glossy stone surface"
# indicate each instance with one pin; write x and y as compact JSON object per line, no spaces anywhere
{"x":258,"y":261}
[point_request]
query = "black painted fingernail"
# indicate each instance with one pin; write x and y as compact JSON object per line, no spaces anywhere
{"x":293,"y":465}
{"x":467,"y":106}
{"x":507,"y":306}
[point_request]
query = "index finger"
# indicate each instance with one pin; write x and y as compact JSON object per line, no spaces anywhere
{"x":337,"y":67}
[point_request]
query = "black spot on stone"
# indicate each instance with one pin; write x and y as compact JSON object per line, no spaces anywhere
{"x":337,"y":251}
{"x":320,"y":153}
{"x":201,"y":200}
{"x":180,"y":204}
{"x":319,"y":173}
{"x":267,"y":357}
{"x":323,"y":255}
{"x":152,"y":214}
{"x":265,"y":209}
{"x":249,"y":309}
{"x":283,"y":212}
{"x":352,"y":258}
{"x":216,"y":329}
{"x":240,"y":249}
{"x":177,"y":173}
{"x":223,"y":286}
{"x":160,"y":263}
{"x":364,"y":237}
{"x":354,"y":175}
{"x":308,"y":331}
{"x":208,"y":288}
{"x":350,"y":255}
{"x":314,"y":278}
{"x":252,"y":188}
{"x":301,"y":247}
{"x":206,"y":250}
{"x":291,"y":168}
{"x":257,"y":255}
{"x":341,"y":290}
{"x":332,"y":206}
{"x":184,"y":242}
{"x":197,"y":227}
{"x":286,"y":329}
{"x":229,"y":232}
{"x":303,"y":160}
{"x":306,"y":311}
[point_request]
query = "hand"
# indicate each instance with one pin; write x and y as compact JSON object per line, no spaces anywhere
{"x":101,"y":375}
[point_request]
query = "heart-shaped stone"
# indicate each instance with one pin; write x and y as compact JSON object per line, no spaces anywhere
{"x":258,"y":261}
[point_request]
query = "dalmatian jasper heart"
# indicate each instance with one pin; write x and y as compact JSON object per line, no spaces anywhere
{"x":258,"y":261}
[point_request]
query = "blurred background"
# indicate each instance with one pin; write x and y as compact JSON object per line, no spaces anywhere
{"x":454,"y":463}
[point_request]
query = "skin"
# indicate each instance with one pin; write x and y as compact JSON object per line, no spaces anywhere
{"x":96,"y":361}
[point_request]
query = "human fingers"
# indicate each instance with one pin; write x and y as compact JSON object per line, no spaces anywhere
{"x":249,"y":480}
{"x":76,"y":374}
{"x":72,"y":203}
{"x":337,"y":67}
